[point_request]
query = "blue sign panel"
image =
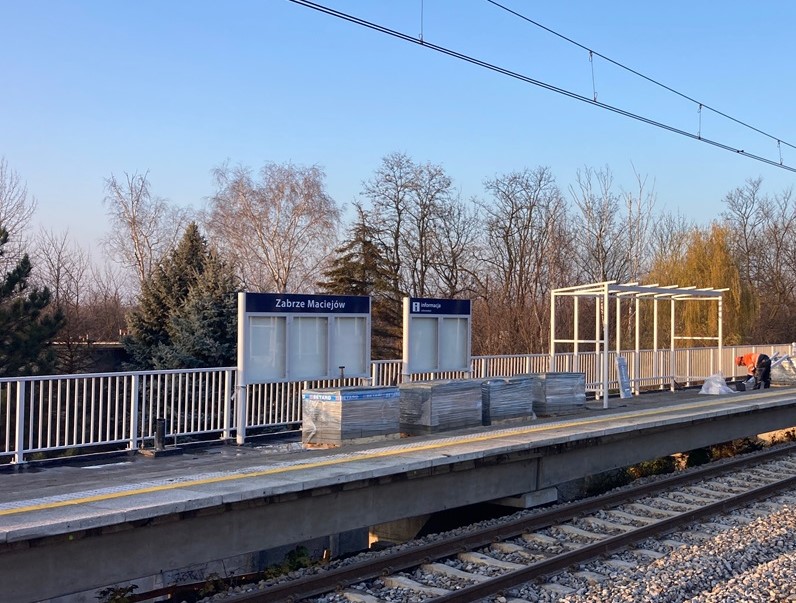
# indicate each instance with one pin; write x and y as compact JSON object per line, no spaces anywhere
{"x":289,"y":303}
{"x":425,"y":305}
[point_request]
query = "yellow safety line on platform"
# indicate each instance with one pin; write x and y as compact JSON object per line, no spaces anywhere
{"x":359,"y":457}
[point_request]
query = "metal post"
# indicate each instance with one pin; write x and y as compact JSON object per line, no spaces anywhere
{"x":160,"y":434}
{"x":135,"y":390}
{"x":671,"y":346}
{"x":226,"y":432}
{"x":552,"y":332}
{"x":405,"y":368}
{"x":637,"y":363}
{"x":240,"y":398}
{"x":576,"y":347}
{"x":597,"y":356}
{"x":19,"y":446}
{"x":655,"y":353}
{"x":605,"y":347}
{"x":721,"y":334}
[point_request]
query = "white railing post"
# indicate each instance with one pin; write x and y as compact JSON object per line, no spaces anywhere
{"x":688,"y":368}
{"x":240,"y":412}
{"x":226,"y":433}
{"x":19,"y":445}
{"x":134,"y":391}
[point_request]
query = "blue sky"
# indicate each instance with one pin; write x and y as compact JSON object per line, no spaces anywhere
{"x":91,"y":88}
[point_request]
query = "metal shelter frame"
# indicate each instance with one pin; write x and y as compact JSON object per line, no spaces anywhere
{"x":602,"y":293}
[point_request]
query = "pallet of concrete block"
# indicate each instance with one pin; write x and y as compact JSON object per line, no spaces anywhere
{"x":558,"y":393}
{"x":434,"y":406}
{"x":507,"y":400}
{"x":346,"y":415}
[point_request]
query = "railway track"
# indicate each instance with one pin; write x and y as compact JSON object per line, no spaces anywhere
{"x":494,"y":560}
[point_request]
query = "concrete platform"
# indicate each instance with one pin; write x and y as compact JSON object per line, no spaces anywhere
{"x":84,"y":526}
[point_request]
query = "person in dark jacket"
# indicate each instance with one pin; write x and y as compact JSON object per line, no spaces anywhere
{"x":757,"y":366}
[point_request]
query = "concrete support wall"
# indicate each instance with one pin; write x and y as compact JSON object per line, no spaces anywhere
{"x":121,"y":553}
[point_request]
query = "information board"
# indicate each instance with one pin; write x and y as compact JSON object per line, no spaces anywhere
{"x":295,"y":337}
{"x":436,"y":335}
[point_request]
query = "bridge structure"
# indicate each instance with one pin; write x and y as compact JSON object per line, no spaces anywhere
{"x":43,"y":417}
{"x":70,"y":528}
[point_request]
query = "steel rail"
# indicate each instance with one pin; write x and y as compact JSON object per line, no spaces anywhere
{"x":609,"y":545}
{"x":338,"y":579}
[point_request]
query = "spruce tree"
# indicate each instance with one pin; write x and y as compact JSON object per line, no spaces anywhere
{"x":27,"y":324}
{"x":203,"y":331}
{"x":167,"y":329}
{"x":360,"y":268}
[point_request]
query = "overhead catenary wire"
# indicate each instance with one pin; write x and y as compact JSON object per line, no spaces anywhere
{"x":527,"y":79}
{"x":591,"y":52}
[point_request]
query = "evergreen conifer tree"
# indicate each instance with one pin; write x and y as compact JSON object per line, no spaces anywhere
{"x":27,"y":327}
{"x":203,"y":331}
{"x":168,"y":329}
{"x":359,"y":268}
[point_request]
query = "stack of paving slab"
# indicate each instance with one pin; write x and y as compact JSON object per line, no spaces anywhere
{"x":558,"y":393}
{"x":507,"y":400}
{"x":434,"y":406}
{"x":347,"y":415}
{"x":783,"y":371}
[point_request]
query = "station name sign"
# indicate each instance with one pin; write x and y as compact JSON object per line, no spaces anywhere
{"x":424,"y":305}
{"x":282,"y":303}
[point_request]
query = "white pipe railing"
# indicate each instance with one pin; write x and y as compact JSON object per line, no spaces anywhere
{"x":78,"y":414}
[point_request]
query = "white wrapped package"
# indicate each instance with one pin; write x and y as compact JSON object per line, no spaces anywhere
{"x":345,"y":415}
{"x":716,"y":385}
{"x":432,"y":406}
{"x":507,"y":400}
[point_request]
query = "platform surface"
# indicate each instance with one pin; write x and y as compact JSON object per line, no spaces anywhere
{"x":57,"y":500}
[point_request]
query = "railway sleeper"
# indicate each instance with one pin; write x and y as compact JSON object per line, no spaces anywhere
{"x":509,"y":548}
{"x":481,"y":559}
{"x":608,"y":525}
{"x":452,"y":572}
{"x":634,"y":519}
{"x":413,"y":585}
{"x":356,"y":596}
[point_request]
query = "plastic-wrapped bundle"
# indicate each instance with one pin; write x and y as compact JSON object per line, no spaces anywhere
{"x":348,"y":414}
{"x":432,"y":406}
{"x":558,"y":393}
{"x":507,"y":399}
{"x":783,"y":371}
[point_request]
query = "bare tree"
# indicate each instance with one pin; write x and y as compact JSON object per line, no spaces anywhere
{"x":430,"y":196}
{"x":763,"y":241}
{"x":279,"y":229}
{"x":389,"y":192}
{"x":601,"y":244}
{"x":454,"y":258}
{"x":16,"y":212}
{"x":526,"y":253}
{"x":109,"y":299}
{"x":638,"y":219}
{"x":746,"y":217}
{"x":669,"y":237}
{"x":61,"y":265}
{"x":420,"y":225}
{"x":143,"y":227}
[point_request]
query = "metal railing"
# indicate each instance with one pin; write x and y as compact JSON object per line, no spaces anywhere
{"x":78,"y":414}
